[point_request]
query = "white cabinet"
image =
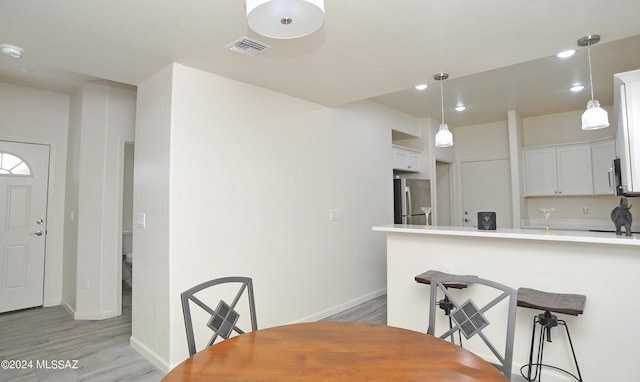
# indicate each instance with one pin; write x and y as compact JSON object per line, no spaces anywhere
{"x":540,"y":170}
{"x":558,"y":170}
{"x":575,"y":175}
{"x":406,"y":159}
{"x":602,"y":155}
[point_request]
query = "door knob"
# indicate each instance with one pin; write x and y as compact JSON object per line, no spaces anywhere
{"x":466,"y":220}
{"x":37,"y":233}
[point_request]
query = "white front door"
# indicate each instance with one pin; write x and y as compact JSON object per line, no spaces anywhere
{"x":24,"y":174}
{"x":486,"y":186}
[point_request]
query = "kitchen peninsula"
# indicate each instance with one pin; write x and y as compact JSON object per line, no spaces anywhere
{"x":602,"y":266}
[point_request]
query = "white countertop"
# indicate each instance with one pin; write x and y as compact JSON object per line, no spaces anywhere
{"x":515,"y":233}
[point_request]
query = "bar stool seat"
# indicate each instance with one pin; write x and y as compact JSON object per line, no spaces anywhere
{"x":571,"y":304}
{"x":425,"y":278}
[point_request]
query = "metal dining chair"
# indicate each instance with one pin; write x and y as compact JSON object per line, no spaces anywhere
{"x":470,"y":319}
{"x":225,"y":316}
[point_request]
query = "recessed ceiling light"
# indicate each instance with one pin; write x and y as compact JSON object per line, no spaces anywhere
{"x":422,"y":86}
{"x":11,"y":50}
{"x":566,"y":53}
{"x":576,"y":88}
{"x":461,"y":108}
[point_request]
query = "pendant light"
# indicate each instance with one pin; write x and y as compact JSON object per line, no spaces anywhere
{"x":594,"y":117}
{"x":444,"y":138}
{"x":285,"y":19}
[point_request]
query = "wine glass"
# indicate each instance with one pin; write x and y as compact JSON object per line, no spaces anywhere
{"x":547,"y":215}
{"x":427,"y":212}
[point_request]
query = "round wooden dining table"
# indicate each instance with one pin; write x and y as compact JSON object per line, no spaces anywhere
{"x":334,"y":351}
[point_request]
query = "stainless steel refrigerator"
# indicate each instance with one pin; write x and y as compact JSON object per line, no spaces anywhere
{"x":409,"y":195}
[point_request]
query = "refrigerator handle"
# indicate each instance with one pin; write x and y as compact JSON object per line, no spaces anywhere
{"x":409,"y":209}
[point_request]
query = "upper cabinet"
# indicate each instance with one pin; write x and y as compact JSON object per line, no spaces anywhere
{"x":406,"y":159}
{"x":558,"y":170}
{"x":540,"y":171}
{"x":602,"y":155}
{"x":575,"y":169}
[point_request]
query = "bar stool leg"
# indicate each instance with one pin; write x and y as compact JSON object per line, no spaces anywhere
{"x":533,"y":336}
{"x":546,"y":321}
{"x":575,"y":359}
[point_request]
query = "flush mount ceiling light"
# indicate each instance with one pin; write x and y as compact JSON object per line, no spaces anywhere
{"x":285,"y":19}
{"x":576,"y":88}
{"x":594,"y":117}
{"x":421,"y":86}
{"x":11,"y":50}
{"x":461,"y":108}
{"x":444,"y":138}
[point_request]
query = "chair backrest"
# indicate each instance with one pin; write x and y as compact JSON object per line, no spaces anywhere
{"x":470,"y":319}
{"x":224,"y":316}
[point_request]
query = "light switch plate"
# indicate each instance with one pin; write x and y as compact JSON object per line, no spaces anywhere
{"x":141,"y":220}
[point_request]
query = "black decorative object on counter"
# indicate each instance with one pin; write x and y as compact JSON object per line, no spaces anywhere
{"x":487,"y":221}
{"x":621,"y":217}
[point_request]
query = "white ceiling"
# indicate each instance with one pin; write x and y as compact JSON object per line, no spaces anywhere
{"x":498,"y":53}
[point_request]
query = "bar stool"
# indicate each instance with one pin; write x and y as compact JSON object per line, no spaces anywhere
{"x":572,"y":304}
{"x":445,"y":304}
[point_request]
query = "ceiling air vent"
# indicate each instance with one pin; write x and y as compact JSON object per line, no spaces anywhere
{"x":247,"y":46}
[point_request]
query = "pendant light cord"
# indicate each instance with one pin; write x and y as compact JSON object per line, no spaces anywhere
{"x":442,"y":100}
{"x":590,"y":75}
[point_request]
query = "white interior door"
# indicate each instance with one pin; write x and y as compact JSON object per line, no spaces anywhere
{"x":24,"y":174}
{"x":486,"y":186}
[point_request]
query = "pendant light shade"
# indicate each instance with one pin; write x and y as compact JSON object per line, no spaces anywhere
{"x":594,"y":117}
{"x":285,"y":19}
{"x":444,"y":138}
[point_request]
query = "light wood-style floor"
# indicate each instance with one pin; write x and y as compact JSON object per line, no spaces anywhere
{"x":100,"y":347}
{"x":50,"y":334}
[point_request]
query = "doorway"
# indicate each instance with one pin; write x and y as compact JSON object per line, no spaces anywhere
{"x":127,"y":225}
{"x":24,"y":176}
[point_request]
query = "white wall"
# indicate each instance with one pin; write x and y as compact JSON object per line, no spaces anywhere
{"x":487,"y":141}
{"x":249,"y":176}
{"x":103,"y":120}
{"x":151,"y":300}
{"x":37,"y":116}
{"x":561,"y":128}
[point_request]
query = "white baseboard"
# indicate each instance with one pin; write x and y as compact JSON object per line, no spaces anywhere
{"x":95,"y":316}
{"x":342,"y":307}
{"x":69,"y":308}
{"x":147,"y":353}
